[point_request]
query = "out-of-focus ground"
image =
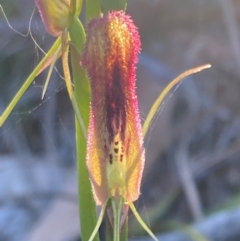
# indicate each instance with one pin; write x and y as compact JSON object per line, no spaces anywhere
{"x":192,"y":171}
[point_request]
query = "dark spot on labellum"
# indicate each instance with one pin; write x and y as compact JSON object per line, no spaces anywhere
{"x":110,"y":158}
{"x":121,"y":158}
{"x":116,"y":143}
{"x":116,"y":150}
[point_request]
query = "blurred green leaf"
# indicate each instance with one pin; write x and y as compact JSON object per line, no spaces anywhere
{"x":92,"y":9}
{"x":87,"y":207}
{"x":110,"y":5}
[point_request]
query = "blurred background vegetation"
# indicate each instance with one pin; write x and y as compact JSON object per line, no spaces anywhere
{"x":192,"y":171}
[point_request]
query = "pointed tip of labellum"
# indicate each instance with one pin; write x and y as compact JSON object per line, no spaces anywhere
{"x":54,"y":14}
{"x":115,"y":153}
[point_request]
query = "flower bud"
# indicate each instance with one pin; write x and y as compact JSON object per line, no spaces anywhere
{"x":54,"y":14}
{"x":115,"y":153}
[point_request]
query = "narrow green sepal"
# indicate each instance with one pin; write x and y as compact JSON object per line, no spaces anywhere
{"x":141,"y":222}
{"x":77,"y":35}
{"x":165,"y":91}
{"x":39,"y":68}
{"x":75,"y":10}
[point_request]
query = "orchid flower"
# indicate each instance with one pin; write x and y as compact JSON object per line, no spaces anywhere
{"x":115,"y":153}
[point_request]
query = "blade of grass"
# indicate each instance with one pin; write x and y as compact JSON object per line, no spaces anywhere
{"x":87,"y":207}
{"x":29,"y":80}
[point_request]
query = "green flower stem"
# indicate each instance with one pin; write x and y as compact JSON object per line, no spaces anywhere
{"x":87,"y":207}
{"x":117,"y":204}
{"x":115,"y":230}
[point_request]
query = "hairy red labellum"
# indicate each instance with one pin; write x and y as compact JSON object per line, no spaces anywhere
{"x":115,"y":154}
